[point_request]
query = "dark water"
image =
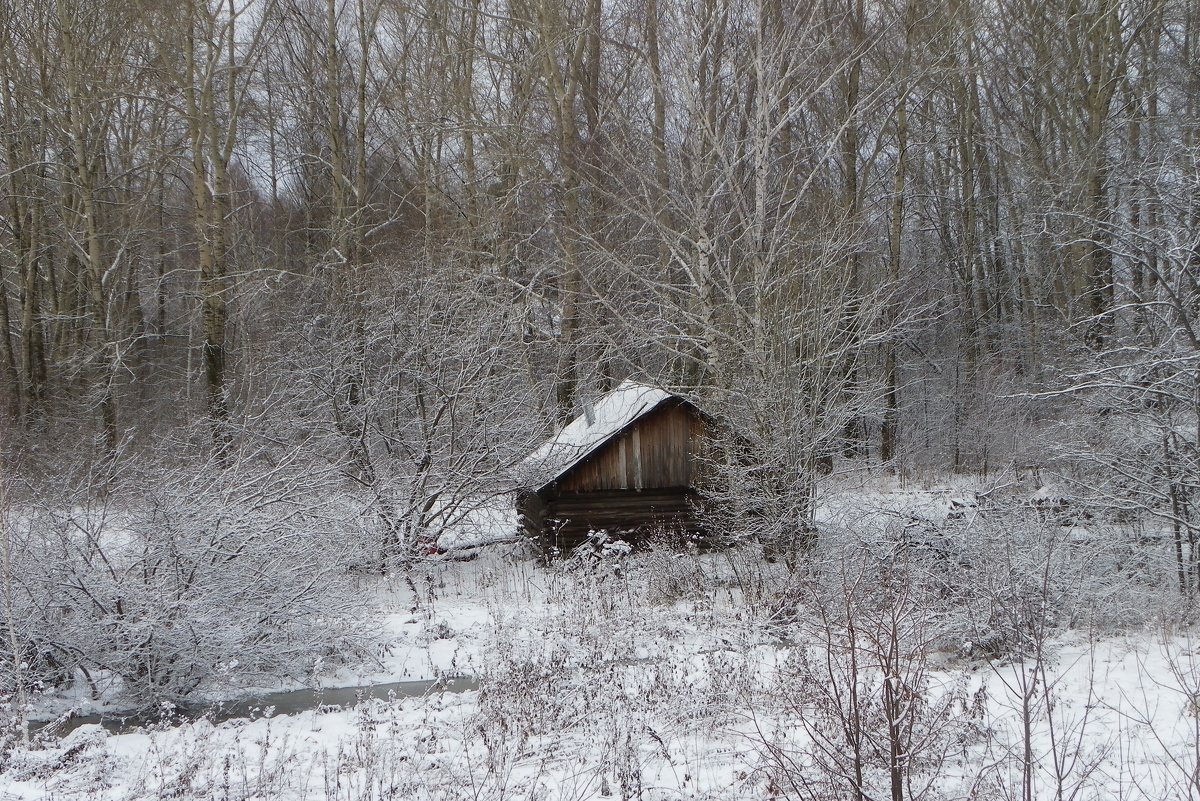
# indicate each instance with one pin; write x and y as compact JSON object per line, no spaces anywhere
{"x":280,"y":703}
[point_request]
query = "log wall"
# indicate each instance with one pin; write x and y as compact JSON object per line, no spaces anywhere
{"x":631,"y":514}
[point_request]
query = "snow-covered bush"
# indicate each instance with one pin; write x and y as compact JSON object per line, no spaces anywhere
{"x":673,"y":574}
{"x":417,"y":401}
{"x":1014,"y":579}
{"x":874,"y":719}
{"x":156,"y":582}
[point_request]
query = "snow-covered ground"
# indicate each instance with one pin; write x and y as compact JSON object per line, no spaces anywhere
{"x":666,"y":676}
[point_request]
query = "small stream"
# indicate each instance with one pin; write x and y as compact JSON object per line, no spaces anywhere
{"x":279,"y":703}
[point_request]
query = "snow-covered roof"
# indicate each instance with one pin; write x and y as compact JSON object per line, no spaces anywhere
{"x":608,"y":417}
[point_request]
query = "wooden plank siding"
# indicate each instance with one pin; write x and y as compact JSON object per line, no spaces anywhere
{"x":660,"y":450}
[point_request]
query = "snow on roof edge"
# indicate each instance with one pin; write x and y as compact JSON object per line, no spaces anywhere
{"x":571,"y":444}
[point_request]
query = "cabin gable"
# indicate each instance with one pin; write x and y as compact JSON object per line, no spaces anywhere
{"x":659,"y":450}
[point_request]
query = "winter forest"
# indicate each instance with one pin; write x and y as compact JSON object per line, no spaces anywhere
{"x":291,"y":289}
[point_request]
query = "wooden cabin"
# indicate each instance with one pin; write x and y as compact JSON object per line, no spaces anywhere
{"x":629,"y":466}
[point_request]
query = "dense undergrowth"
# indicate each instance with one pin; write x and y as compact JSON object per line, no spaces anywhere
{"x":931,"y":645}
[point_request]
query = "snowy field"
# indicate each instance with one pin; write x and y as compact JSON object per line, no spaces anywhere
{"x":703,"y":676}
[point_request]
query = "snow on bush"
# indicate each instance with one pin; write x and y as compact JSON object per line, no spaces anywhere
{"x":160,"y":585}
